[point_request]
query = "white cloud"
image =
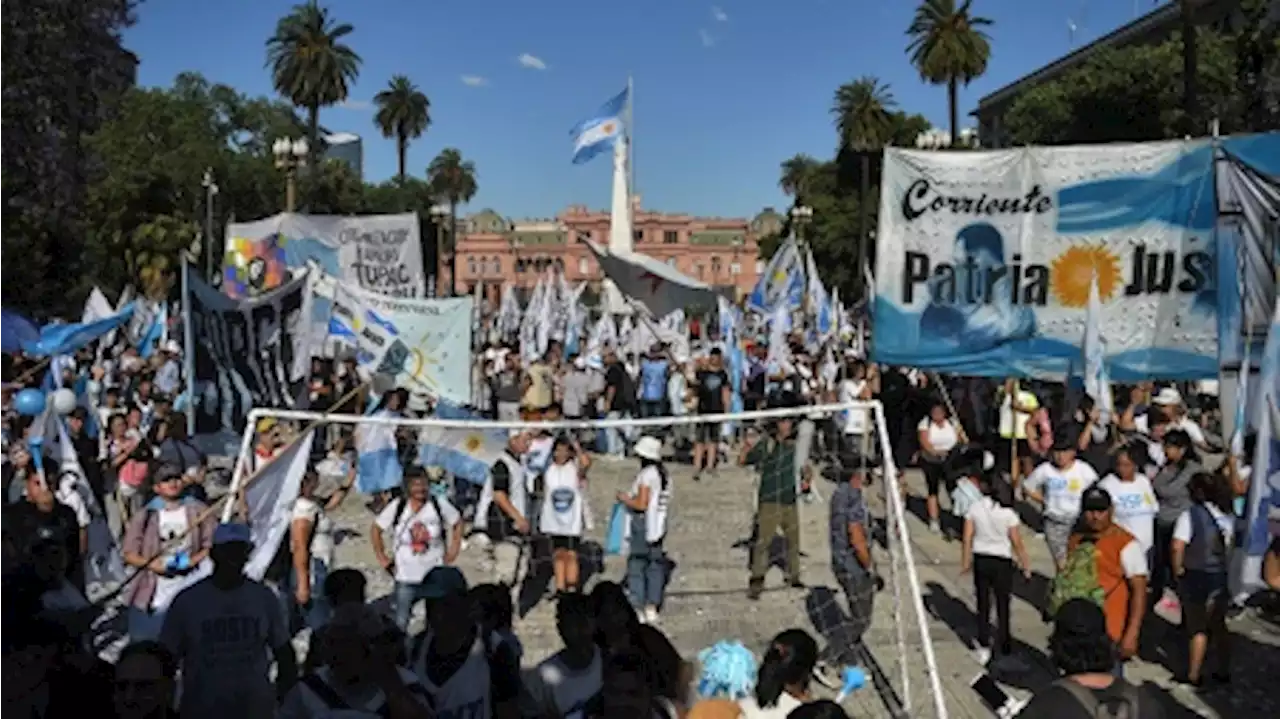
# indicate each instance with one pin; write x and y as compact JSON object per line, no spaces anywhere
{"x":474,"y":81}
{"x":707,"y":39}
{"x":358,"y":105}
{"x":533,"y":62}
{"x":719,"y":14}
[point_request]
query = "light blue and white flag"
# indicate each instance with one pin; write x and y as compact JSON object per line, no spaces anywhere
{"x":1264,"y":483}
{"x":819,"y":300}
{"x":466,"y":452}
{"x":379,"y":468}
{"x":1097,"y":382}
{"x":781,"y":283}
{"x":601,"y":130}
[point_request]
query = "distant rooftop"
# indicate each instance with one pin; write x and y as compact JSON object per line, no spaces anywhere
{"x":341,"y":138}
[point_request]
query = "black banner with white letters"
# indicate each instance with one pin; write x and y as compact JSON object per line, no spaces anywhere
{"x":249,"y":353}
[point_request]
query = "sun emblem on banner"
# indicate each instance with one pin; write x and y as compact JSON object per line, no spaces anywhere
{"x":473,"y":444}
{"x":253,"y":266}
{"x":1073,"y":271}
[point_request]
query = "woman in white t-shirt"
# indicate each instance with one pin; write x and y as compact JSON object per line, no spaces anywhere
{"x":425,"y":533}
{"x":649,"y":501}
{"x":1058,"y":486}
{"x":990,"y":544}
{"x":938,"y":436}
{"x":782,"y":683}
{"x":563,"y":509}
{"x":856,"y":386}
{"x":1132,"y":496}
{"x":311,"y":545}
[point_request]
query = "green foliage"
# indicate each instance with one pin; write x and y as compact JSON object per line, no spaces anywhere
{"x":949,"y":47}
{"x":861,"y":111}
{"x":1135,"y":94}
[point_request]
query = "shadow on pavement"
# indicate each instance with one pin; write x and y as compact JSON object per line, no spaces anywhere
{"x":829,"y":619}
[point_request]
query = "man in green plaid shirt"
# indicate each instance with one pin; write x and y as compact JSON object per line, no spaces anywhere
{"x":774,"y":457}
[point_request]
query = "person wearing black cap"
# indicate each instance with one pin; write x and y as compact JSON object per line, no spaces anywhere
{"x":1057,"y":485}
{"x":1107,"y":565}
{"x":1089,"y":687}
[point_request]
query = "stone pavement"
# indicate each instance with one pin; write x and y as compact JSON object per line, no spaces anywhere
{"x":707,"y":603}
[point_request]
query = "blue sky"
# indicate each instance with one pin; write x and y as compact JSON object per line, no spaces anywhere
{"x":724,"y":90}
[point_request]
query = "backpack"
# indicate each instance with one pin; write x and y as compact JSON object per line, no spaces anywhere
{"x":1124,"y":706}
{"x":333,"y":701}
{"x":1078,"y":578}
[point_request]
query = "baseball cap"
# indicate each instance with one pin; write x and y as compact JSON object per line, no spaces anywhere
{"x":166,"y":472}
{"x":443,"y":582}
{"x":1167,"y":397}
{"x":231,"y":533}
{"x":1095,"y":499}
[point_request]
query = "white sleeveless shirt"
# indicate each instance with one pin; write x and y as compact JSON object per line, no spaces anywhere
{"x":562,"y":506}
{"x":466,"y":694}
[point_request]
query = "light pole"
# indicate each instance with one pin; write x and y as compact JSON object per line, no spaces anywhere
{"x":210,"y":191}
{"x":438,"y":214}
{"x":290,"y":155}
{"x":801,"y":216}
{"x":933,"y":140}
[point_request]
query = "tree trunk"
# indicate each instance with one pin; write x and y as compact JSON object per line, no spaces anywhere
{"x":453,"y":249}
{"x":1190,"y":101}
{"x":402,"y":149}
{"x":953,"y":112}
{"x":313,"y":138}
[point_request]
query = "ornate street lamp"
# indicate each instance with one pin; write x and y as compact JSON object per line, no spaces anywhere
{"x":290,"y":155}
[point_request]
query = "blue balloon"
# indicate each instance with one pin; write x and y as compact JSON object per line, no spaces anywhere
{"x":29,"y":402}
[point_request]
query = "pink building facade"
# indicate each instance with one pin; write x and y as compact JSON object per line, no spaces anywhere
{"x":493,"y":250}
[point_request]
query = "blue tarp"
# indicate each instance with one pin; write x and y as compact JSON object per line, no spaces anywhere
{"x":67,"y":338}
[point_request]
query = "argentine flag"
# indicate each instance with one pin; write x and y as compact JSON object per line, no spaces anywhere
{"x":378,"y":463}
{"x":781,"y":283}
{"x":466,"y":452}
{"x":600,"y":131}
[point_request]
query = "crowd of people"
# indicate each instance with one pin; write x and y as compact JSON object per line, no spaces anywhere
{"x":1128,"y":506}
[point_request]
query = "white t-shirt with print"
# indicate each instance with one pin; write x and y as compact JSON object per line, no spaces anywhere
{"x":1183,"y":528}
{"x":562,"y":506}
{"x":991,"y":525}
{"x":418,"y":539}
{"x":1135,"y":506}
{"x":1062,"y":488}
{"x":655,"y":514}
{"x":855,"y":420}
{"x":171,"y":523}
{"x":942,"y":437}
{"x":321,"y":528}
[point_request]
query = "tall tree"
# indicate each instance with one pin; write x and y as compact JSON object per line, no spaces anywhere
{"x":311,"y":65}
{"x":862,"y":113}
{"x":948,"y":47}
{"x":796,"y":174}
{"x":1190,"y":97}
{"x":403,"y":113}
{"x":452,"y":179}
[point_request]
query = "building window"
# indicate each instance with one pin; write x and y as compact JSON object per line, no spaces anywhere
{"x":735,"y":268}
{"x":471,"y":265}
{"x":670,"y":237}
{"x":587,"y":234}
{"x":715,"y":266}
{"x":584,"y":266}
{"x":699,"y":270}
{"x":759,"y":267}
{"x":497,"y":265}
{"x":519,"y":267}
{"x":637,"y":236}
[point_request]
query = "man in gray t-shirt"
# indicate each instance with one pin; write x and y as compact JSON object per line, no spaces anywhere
{"x":225,"y":631}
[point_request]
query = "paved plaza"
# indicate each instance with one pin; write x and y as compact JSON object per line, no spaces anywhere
{"x":706,"y":602}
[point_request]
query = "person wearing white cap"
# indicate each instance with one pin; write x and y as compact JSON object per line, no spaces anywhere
{"x":1167,"y":413}
{"x":224,"y":630}
{"x":649,"y":501}
{"x":169,"y":375}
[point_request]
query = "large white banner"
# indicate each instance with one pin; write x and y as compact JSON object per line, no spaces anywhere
{"x":380,"y":253}
{"x":424,"y":344}
{"x":248,"y":353}
{"x":985,"y":260}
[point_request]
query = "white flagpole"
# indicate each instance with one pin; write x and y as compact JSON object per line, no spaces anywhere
{"x":631,"y":145}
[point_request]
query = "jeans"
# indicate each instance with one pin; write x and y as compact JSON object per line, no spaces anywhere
{"x":315,"y":613}
{"x":616,"y":444}
{"x":1160,"y":572}
{"x":647,"y":574}
{"x":407,"y":595}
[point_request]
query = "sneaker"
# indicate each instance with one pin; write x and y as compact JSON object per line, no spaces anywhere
{"x":650,"y":615}
{"x":827,"y":675}
{"x":983,"y":655}
{"x":754,"y":591}
{"x":642,"y":616}
{"x":935,"y":527}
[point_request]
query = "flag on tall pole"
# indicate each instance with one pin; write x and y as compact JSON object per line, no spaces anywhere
{"x":601,"y":130}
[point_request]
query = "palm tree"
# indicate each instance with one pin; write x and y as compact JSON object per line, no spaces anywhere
{"x":310,"y":65}
{"x":403,"y":113}
{"x":948,"y":47}
{"x":452,"y":179}
{"x":862,"y":113}
{"x":796,"y":174}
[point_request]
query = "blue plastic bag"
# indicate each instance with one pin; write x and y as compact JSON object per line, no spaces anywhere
{"x":617,"y":534}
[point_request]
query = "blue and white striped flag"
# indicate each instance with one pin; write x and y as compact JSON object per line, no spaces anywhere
{"x":601,"y":130}
{"x":466,"y":452}
{"x":379,"y":468}
{"x":781,"y":283}
{"x":819,"y":301}
{"x":1097,"y":381}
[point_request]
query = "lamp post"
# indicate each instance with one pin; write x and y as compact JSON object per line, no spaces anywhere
{"x":801,"y":216}
{"x":290,"y":155}
{"x":933,"y":140}
{"x":438,"y":213}
{"x":210,"y":191}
